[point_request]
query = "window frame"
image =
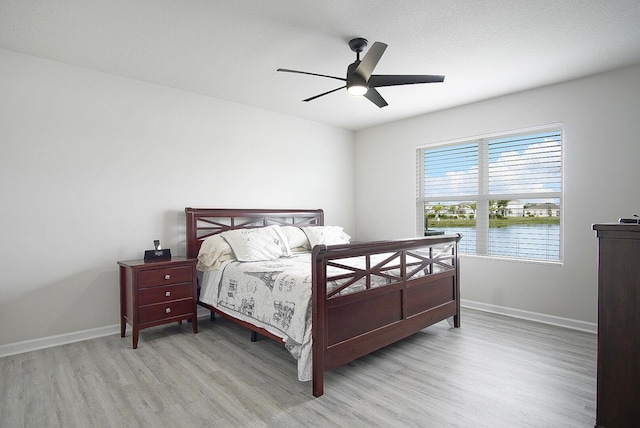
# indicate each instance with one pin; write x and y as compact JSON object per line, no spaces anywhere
{"x":482,"y":197}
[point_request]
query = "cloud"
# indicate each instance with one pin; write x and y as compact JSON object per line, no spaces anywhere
{"x":534,"y":169}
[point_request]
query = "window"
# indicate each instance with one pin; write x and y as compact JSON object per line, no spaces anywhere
{"x":502,"y":192}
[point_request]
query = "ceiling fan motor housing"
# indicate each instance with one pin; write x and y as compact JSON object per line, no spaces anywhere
{"x":355,"y":80}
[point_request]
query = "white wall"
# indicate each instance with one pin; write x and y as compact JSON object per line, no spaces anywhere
{"x":601,"y":116}
{"x":94,"y":167}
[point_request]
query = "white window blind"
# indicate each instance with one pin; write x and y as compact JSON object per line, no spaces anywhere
{"x":503,"y":193}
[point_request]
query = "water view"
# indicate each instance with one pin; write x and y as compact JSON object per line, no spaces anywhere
{"x":535,"y":241}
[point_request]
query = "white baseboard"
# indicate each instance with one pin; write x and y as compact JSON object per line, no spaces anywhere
{"x":588,"y":327}
{"x":63,"y":339}
{"x":60,"y":339}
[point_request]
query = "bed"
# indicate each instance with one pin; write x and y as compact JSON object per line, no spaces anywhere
{"x":353,"y":297}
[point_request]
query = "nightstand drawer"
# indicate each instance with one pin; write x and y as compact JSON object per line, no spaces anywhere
{"x":164,"y":276}
{"x":165,"y":293}
{"x":161,"y":311}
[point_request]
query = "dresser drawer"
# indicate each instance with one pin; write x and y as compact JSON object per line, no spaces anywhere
{"x":165,"y":276}
{"x":165,"y":293}
{"x":165,"y":310}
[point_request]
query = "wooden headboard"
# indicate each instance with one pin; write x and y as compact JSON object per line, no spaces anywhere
{"x":204,"y":222}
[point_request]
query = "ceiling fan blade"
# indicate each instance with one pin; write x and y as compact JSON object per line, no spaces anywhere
{"x":375,"y":97}
{"x":370,"y":60}
{"x":324,"y":93}
{"x":311,"y":74}
{"x":378,"y":80}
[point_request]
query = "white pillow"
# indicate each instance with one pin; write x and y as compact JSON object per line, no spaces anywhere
{"x":327,"y":235}
{"x":213,"y":251}
{"x":296,"y":238}
{"x":256,"y":244}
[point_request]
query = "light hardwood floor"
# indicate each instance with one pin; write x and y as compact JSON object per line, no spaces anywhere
{"x":495,"y":371}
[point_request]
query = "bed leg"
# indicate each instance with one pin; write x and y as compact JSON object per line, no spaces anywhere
{"x":254,"y":336}
{"x":318,"y":384}
{"x":212,"y":317}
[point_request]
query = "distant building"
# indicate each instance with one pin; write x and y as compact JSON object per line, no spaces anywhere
{"x":515,"y":209}
{"x":542,"y":210}
{"x":463,"y":209}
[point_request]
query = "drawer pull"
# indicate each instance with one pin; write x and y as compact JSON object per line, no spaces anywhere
{"x":167,"y":276}
{"x":167,"y":294}
{"x":168,"y":310}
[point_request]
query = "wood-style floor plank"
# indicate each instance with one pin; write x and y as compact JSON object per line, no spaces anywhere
{"x":495,"y":371}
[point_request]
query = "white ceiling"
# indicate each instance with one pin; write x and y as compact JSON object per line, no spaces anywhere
{"x":231,"y":49}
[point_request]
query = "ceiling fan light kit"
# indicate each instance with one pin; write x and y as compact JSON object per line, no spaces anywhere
{"x":356,"y":84}
{"x":357,"y":89}
{"x":360,"y":79}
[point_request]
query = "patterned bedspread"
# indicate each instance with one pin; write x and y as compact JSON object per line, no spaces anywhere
{"x":274,"y":295}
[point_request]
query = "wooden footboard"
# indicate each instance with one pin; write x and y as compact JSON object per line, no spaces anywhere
{"x":405,"y":286}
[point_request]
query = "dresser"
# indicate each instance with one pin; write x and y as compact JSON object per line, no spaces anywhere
{"x":154,"y":293}
{"x":618,"y":390}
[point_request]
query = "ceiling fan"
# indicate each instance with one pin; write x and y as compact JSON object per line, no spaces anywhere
{"x":361,"y":81}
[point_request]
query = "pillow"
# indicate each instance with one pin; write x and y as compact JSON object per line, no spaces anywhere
{"x":327,"y":235}
{"x":296,"y":238}
{"x":257,"y":244}
{"x":213,"y":251}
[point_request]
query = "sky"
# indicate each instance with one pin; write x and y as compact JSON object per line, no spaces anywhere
{"x":522,"y":164}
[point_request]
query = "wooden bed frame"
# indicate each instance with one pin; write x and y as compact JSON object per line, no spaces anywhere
{"x":423,"y":287}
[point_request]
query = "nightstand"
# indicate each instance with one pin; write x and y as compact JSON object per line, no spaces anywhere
{"x":154,"y":293}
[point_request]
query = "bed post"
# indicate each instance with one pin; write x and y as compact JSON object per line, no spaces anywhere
{"x":192,"y":235}
{"x":319,"y":313}
{"x":456,"y":261}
